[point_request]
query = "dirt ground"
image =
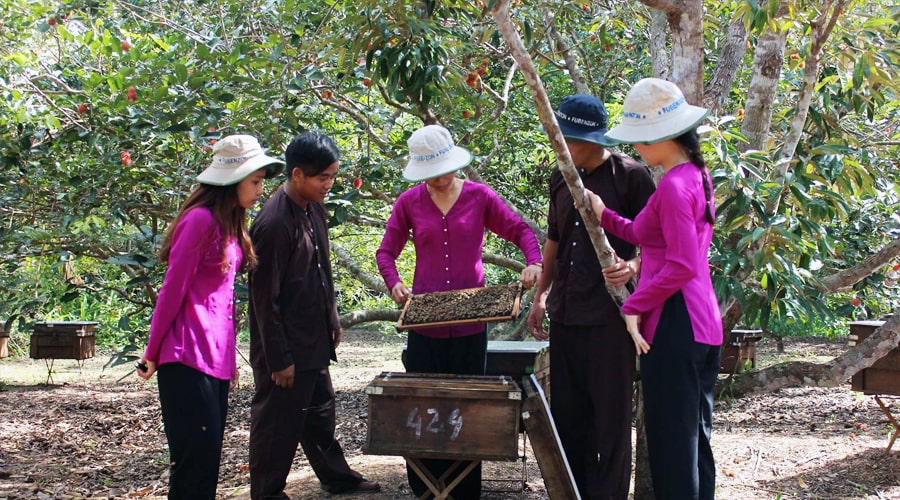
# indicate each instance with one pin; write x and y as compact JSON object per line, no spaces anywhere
{"x":92,"y":435}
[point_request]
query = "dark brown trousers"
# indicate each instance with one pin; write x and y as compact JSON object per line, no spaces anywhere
{"x":282,"y":418}
{"x":591,"y":392}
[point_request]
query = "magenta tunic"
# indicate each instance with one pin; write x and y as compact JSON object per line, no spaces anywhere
{"x":193,"y":323}
{"x":449,"y":247}
{"x":674,"y":237}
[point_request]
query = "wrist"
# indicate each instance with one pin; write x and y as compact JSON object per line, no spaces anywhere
{"x":634,"y":265}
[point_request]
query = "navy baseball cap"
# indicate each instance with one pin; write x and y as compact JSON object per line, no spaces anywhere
{"x":583,"y":117}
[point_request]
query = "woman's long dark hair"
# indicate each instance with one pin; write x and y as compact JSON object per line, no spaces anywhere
{"x":690,"y":142}
{"x":228,"y":213}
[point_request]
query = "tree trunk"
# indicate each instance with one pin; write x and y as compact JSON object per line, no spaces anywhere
{"x":718,"y":90}
{"x":802,"y":373}
{"x":686,"y":24}
{"x":659,"y":54}
{"x":767,"y":61}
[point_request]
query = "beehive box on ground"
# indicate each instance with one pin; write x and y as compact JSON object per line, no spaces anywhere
{"x":460,"y":307}
{"x":740,"y":353}
{"x":519,"y":359}
{"x":516,"y":359}
{"x":443,"y":416}
{"x":883,"y":377}
{"x":63,"y":340}
{"x":4,"y":340}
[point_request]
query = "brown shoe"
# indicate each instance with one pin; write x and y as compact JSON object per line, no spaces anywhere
{"x":364,"y":486}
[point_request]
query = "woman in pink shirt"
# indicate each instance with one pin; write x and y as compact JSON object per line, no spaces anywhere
{"x":446,"y":218}
{"x":192,"y":337}
{"x":673,"y":315}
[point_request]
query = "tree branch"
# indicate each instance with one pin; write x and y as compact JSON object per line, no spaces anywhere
{"x":355,"y":317}
{"x":563,"y":48}
{"x":803,"y":373}
{"x":343,"y":258}
{"x":821,"y":30}
{"x":853,"y":275}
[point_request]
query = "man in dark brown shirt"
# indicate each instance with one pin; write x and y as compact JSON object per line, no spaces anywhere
{"x":592,"y":357}
{"x":294,"y":329}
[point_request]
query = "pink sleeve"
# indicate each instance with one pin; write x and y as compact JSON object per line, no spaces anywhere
{"x":618,"y":225}
{"x":396,"y":235}
{"x":502,"y":221}
{"x":189,"y":242}
{"x":681,"y":244}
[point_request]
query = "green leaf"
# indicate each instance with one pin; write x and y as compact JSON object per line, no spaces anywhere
{"x":123,"y":260}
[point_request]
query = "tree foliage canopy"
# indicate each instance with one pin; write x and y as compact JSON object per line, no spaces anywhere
{"x":108,"y":110}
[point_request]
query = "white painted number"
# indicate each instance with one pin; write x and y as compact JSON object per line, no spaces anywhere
{"x":456,"y":422}
{"x":415,"y":421}
{"x":435,"y":426}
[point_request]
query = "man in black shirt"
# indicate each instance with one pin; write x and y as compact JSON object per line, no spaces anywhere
{"x":592,"y":356}
{"x":295,"y":329}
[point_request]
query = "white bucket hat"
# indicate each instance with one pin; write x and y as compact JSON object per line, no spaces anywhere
{"x":433,"y":154}
{"x":234,"y":158}
{"x":654,"y":111}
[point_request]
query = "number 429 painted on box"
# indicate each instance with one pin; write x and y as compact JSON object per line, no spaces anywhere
{"x":435,"y":425}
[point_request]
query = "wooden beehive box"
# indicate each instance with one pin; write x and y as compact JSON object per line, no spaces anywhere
{"x":740,"y":353}
{"x":519,"y":359}
{"x":516,"y":359}
{"x":488,"y":304}
{"x":63,"y":340}
{"x":4,"y":340}
{"x":883,"y":377}
{"x":444,"y":416}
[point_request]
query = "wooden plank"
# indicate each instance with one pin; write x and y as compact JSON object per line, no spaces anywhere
{"x":542,"y":373}
{"x":443,"y":384}
{"x":858,"y":381}
{"x":544,"y":440}
{"x":877,"y":381}
{"x":891,"y":361}
{"x":455,"y":322}
{"x":860,"y":330}
{"x":73,"y":328}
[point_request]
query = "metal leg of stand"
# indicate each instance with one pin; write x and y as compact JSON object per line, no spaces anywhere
{"x":892,"y":420}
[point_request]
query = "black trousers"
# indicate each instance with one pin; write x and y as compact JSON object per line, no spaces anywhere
{"x":591,"y":394}
{"x":282,"y":418}
{"x":678,"y":376}
{"x":462,"y":356}
{"x":194,"y":406}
